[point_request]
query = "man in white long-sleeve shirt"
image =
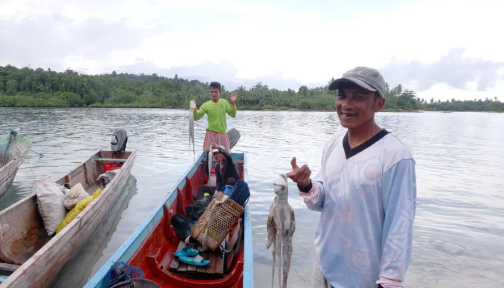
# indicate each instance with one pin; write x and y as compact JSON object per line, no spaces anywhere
{"x":366,"y":191}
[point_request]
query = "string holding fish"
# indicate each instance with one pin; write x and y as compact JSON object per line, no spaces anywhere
{"x":192,"y":106}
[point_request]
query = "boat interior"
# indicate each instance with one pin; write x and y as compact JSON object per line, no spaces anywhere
{"x":155,"y":254}
{"x":22,"y":229}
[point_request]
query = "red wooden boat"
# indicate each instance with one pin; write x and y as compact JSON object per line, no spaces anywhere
{"x":152,"y":245}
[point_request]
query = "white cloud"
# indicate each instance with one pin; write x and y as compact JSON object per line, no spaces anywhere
{"x":445,"y":92}
{"x":310,"y":42}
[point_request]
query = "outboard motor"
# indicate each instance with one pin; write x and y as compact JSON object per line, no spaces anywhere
{"x":119,"y":140}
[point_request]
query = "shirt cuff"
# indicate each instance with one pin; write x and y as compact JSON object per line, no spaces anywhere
{"x":389,"y":283}
{"x":305,"y":189}
{"x":312,"y":196}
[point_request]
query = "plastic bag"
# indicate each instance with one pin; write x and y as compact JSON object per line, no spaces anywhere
{"x":107,"y":177}
{"x":50,"y":204}
{"x":76,"y":194}
{"x":63,"y":189}
{"x":76,"y":210}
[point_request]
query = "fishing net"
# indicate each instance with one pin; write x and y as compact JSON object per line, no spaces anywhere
{"x":13,"y":147}
{"x":120,"y":272}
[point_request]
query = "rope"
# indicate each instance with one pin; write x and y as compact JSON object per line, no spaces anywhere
{"x":30,"y":168}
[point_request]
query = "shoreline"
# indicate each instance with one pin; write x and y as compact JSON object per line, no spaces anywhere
{"x":269,"y":109}
{"x":178,"y":108}
{"x":402,"y":111}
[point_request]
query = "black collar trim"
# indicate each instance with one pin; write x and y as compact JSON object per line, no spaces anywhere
{"x":349,"y":152}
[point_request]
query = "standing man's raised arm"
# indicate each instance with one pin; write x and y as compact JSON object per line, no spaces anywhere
{"x":231,"y":109}
{"x":198,"y":114}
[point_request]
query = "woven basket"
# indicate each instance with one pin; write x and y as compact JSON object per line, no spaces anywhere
{"x":224,"y":217}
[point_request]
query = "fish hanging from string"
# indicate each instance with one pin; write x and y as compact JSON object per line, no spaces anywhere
{"x":281,"y":225}
{"x":192,"y":106}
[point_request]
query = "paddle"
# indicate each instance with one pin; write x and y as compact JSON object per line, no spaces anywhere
{"x":233,"y":136}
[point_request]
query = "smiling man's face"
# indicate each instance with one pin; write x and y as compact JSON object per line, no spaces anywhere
{"x":356,"y":106}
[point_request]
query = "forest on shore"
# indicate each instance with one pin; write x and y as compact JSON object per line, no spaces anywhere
{"x":27,"y":87}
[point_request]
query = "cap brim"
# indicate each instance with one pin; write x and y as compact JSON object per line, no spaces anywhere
{"x":337,"y":83}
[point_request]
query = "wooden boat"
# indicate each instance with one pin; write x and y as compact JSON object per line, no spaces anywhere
{"x":78,"y":270}
{"x":9,"y":170}
{"x":8,"y":173}
{"x":29,"y":257}
{"x":152,"y":245}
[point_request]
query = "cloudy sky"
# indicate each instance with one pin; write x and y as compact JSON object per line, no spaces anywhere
{"x":443,"y":49}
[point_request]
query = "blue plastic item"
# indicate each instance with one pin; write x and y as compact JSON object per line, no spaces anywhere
{"x":196,"y":261}
{"x":228,"y":189}
{"x":187,"y":251}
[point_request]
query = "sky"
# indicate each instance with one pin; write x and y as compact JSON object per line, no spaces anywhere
{"x":441,"y":49}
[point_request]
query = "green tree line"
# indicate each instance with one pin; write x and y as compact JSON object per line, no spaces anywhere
{"x":27,"y":87}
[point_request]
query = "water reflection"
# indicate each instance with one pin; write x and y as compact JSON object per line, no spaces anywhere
{"x":86,"y":263}
{"x":459,"y":223}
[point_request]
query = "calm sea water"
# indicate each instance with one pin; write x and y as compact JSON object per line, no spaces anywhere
{"x":459,"y":225}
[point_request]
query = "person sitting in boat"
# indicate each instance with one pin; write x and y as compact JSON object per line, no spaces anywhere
{"x":224,"y":170}
{"x":216,"y":109}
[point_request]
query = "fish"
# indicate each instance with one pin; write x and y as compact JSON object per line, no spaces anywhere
{"x":192,"y":106}
{"x":281,"y":224}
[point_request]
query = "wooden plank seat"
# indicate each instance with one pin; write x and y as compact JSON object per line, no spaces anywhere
{"x":110,"y":160}
{"x":214,"y":270}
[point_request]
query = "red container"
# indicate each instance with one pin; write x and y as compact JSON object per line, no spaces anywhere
{"x":111,"y":166}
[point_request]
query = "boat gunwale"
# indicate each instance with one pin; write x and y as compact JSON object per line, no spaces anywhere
{"x":56,"y":238}
{"x":17,"y":162}
{"x":133,"y":242}
{"x":19,"y":159}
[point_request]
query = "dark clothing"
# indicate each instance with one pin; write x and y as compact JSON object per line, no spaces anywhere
{"x":221,"y":176}
{"x":182,"y":226}
{"x":205,"y":189}
{"x":197,"y":208}
{"x":229,"y":170}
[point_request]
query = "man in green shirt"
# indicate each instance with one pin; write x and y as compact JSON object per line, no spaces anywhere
{"x":216,"y":110}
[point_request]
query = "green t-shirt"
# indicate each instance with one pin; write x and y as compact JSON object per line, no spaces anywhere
{"x":216,"y":114}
